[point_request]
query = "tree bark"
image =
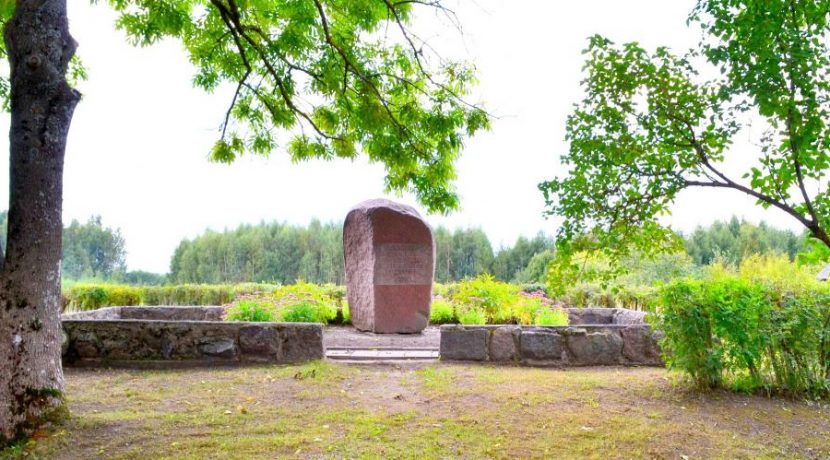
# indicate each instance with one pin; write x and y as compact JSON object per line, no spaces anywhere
{"x":42,"y":104}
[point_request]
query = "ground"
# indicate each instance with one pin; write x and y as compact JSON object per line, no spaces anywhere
{"x":326,"y":409}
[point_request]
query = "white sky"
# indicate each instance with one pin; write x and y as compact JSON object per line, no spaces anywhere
{"x":139,"y":141}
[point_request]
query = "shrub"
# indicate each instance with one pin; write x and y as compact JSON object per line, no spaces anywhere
{"x":730,"y":331}
{"x":93,"y":296}
{"x":307,"y":312}
{"x":249,"y":310}
{"x":472,"y":317}
{"x":494,"y":301}
{"x":494,"y":298}
{"x":441,"y":312}
{"x":533,"y":287}
{"x":552,"y":317}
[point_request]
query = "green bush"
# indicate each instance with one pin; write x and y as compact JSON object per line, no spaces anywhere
{"x":441,"y":312}
{"x":484,"y":300}
{"x":248,"y":310}
{"x":533,"y":287}
{"x":472,"y":317}
{"x":301,"y":302}
{"x":82,"y":296}
{"x":552,"y":317}
{"x":728,"y":331}
{"x":93,"y":296}
{"x":494,"y":299}
{"x":307,"y":312}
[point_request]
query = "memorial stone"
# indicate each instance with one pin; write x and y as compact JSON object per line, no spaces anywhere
{"x":390,"y":262}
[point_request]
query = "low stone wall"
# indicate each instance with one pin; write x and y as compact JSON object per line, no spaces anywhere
{"x":595,"y":316}
{"x":131,"y":342}
{"x":188,"y":313}
{"x":621,"y":339}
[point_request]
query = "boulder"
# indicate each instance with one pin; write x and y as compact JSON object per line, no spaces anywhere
{"x":390,"y":262}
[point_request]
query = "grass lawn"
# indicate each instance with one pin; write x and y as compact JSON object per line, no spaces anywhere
{"x":420,"y":411}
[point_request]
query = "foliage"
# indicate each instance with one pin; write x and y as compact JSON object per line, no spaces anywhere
{"x":82,"y":296}
{"x":537,"y":268}
{"x":551,"y":317}
{"x":484,"y":300}
{"x":140,"y":278}
{"x":813,"y":252}
{"x":302,"y":302}
{"x":483,"y":293}
{"x":91,"y":297}
{"x":461,"y":254}
{"x":393,"y":100}
{"x":510,"y":263}
{"x":583,"y":280}
{"x":307,"y":312}
{"x":746,"y":333}
{"x":472,"y":316}
{"x":249,"y":310}
{"x":731,"y":241}
{"x":272,"y":252}
{"x":441,"y":312}
{"x":92,"y":250}
{"x":282,"y":253}
{"x":649,"y":126}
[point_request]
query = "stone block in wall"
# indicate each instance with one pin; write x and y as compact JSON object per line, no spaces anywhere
{"x":259,"y":342}
{"x":640,"y":345}
{"x":595,"y":348}
{"x":591,"y":315}
{"x":300,"y":342}
{"x":624,"y":316}
{"x":218,"y":347}
{"x":85,"y":345}
{"x":464,"y":344}
{"x":542,"y":345}
{"x":504,"y":343}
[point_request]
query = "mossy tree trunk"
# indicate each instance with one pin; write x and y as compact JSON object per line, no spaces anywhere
{"x":42,"y":103}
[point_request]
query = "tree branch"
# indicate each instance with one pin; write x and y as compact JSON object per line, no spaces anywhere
{"x":791,"y":129}
{"x":348,"y":63}
{"x":233,"y":102}
{"x":231,"y":19}
{"x":753,"y":193}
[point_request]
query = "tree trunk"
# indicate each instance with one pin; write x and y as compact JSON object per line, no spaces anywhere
{"x":42,"y":103}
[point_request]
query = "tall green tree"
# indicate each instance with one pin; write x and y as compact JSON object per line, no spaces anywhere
{"x":268,"y":252}
{"x":733,"y":240}
{"x":386,"y":99}
{"x":509,"y":262}
{"x":650,"y":125}
{"x":92,"y":250}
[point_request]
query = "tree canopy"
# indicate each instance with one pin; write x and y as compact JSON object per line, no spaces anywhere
{"x":325,"y":79}
{"x":650,"y":125}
